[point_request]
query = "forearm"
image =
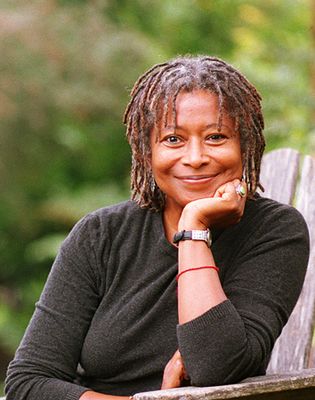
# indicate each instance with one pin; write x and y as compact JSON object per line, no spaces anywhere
{"x":201,"y":290}
{"x":90,"y":395}
{"x":198,"y":290}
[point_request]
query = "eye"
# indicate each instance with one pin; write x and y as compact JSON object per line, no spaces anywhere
{"x":173,"y":140}
{"x":216,"y":137}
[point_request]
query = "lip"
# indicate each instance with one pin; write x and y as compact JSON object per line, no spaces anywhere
{"x":196,"y":179}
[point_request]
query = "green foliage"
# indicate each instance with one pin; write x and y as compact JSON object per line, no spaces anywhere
{"x":66,"y":71}
{"x":274,"y":52}
{"x":180,"y":26}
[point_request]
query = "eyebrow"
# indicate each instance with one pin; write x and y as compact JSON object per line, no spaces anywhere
{"x":214,"y":125}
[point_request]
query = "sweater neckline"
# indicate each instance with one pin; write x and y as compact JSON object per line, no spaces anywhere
{"x":163,"y":242}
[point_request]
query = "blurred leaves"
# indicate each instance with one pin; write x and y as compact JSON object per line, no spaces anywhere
{"x":275,"y":52}
{"x":66,"y":71}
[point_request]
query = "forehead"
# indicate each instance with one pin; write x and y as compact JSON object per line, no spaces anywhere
{"x":191,"y":104}
{"x":197,"y":100}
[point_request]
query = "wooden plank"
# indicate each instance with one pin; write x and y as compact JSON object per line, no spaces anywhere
{"x":293,"y":348}
{"x":306,"y":205}
{"x":299,"y":386}
{"x":312,"y":355}
{"x":279,"y":172}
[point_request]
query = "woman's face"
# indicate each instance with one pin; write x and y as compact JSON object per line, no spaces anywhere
{"x":190,"y":158}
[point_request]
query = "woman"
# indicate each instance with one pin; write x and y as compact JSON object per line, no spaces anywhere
{"x":125,"y":309}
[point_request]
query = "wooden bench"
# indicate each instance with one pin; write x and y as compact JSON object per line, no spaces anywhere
{"x":289,"y":178}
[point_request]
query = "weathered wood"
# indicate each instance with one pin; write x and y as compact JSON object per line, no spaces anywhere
{"x":279,"y":172}
{"x":277,"y":387}
{"x":306,"y":204}
{"x":293,"y":348}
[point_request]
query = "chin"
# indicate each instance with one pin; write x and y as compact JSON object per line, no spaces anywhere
{"x":189,"y":199}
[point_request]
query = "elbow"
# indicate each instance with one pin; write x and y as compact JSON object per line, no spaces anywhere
{"x":223,"y":376}
{"x":225,"y":371}
{"x":203,"y":374}
{"x":204,"y":377}
{"x":17,"y":384}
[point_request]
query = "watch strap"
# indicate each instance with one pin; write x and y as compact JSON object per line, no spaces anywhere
{"x":203,"y":235}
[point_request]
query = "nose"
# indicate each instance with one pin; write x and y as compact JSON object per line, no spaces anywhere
{"x":195,"y":154}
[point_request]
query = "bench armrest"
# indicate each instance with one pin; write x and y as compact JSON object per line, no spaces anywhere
{"x":303,"y":382}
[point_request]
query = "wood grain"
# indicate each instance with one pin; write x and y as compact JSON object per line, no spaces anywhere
{"x":279,"y":173}
{"x":298,"y":385}
{"x":293,"y":348}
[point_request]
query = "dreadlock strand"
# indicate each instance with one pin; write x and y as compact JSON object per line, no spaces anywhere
{"x":152,"y":88}
{"x":142,"y":78}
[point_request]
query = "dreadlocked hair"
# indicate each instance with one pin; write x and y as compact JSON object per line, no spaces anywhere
{"x":159,"y":87}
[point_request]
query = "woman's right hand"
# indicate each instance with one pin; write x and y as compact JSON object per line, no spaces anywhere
{"x":225,"y":208}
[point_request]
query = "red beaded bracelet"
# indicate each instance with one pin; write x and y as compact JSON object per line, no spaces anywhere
{"x":196,"y":269}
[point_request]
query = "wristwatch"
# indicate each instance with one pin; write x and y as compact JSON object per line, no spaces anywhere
{"x":193,"y":235}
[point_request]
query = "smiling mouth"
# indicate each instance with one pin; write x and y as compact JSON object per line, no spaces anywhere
{"x":196,"y":178}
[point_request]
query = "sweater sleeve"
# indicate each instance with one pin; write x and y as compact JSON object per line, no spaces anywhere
{"x":262,"y":282}
{"x":46,"y":361}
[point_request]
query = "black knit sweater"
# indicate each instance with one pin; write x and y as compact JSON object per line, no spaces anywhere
{"x":107,"y":318}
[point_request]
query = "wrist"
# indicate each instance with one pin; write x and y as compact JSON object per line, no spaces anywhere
{"x":188,"y":221}
{"x":203,"y":235}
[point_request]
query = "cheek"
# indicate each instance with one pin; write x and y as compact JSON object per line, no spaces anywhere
{"x":230,"y":157}
{"x":161,"y":163}
{"x":236,"y":160}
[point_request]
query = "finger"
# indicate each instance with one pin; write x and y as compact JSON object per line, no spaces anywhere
{"x":230,"y":191}
{"x":236,"y":182}
{"x":174,"y":372}
{"x":226,"y":187}
{"x":220,"y":191}
{"x":173,"y":375}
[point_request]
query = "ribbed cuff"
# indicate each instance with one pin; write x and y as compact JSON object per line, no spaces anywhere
{"x":76,"y":393}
